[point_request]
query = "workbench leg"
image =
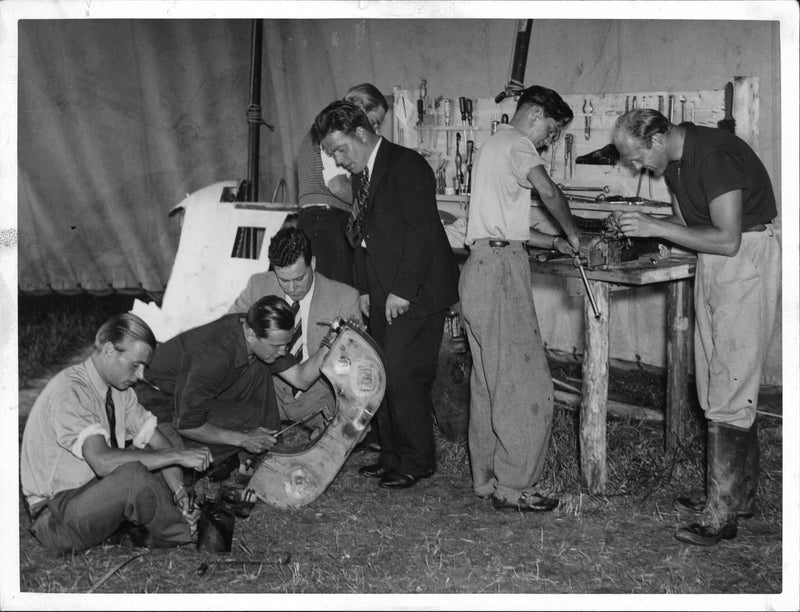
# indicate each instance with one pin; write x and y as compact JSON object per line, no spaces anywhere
{"x":676,"y":414}
{"x":595,"y":391}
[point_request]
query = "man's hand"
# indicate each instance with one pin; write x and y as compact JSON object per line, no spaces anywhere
{"x":395,"y":306}
{"x":190,"y":513}
{"x":195,"y":458}
{"x":574,"y":243}
{"x":364,"y":304}
{"x":258,"y":440}
{"x":636,"y":224}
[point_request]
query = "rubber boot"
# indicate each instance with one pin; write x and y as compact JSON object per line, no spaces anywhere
{"x":746,"y":501}
{"x":726,"y":463}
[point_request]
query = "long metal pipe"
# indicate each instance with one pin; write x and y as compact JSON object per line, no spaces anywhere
{"x":253,"y":141}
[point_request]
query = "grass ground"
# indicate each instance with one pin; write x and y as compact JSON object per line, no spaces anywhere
{"x":437,"y":538}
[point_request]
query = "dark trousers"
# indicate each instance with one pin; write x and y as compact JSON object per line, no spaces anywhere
{"x":405,"y":418}
{"x":325,"y":228}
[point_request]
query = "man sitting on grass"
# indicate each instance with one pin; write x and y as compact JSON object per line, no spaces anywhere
{"x":80,"y":479}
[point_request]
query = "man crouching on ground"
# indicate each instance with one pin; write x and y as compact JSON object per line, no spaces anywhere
{"x":79,"y":479}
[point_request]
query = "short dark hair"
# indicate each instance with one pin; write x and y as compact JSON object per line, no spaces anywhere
{"x":287,"y":246}
{"x":642,"y":124}
{"x":124,"y":327}
{"x":268,"y":313}
{"x":367,"y":96}
{"x":552,"y":104}
{"x":339,"y":116}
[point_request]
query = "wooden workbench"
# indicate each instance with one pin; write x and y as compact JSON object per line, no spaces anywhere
{"x":676,"y":273}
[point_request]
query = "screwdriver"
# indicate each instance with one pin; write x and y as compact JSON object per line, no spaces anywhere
{"x":462,"y":106}
{"x":459,"y":175}
{"x":470,"y":149}
{"x":469,"y":116}
{"x":420,"y":114}
{"x":447,"y":112}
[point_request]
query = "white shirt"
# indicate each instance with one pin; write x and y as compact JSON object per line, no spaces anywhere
{"x":305,"y":308}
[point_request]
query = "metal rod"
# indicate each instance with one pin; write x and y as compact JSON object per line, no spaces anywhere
{"x":589,"y":293}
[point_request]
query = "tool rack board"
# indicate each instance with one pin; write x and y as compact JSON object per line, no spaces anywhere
{"x":705,"y":108}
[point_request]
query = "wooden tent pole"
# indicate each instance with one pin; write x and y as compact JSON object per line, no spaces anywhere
{"x":254,"y":123}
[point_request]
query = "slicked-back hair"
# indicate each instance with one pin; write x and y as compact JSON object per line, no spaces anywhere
{"x":552,"y":103}
{"x":641,"y":124}
{"x":367,"y":96}
{"x":287,"y":246}
{"x":339,"y":116}
{"x":268,"y":313}
{"x":124,"y":327}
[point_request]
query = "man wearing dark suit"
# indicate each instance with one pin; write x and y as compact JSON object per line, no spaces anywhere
{"x":407,"y":276}
{"x":293,"y":277}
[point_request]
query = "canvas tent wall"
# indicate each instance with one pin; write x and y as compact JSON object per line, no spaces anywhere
{"x":121,"y":119}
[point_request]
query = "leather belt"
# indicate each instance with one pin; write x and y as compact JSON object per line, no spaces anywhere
{"x":756,"y":228}
{"x":499,"y":243}
{"x":304,"y":206}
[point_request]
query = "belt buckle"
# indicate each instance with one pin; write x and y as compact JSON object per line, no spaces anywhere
{"x":498,"y":243}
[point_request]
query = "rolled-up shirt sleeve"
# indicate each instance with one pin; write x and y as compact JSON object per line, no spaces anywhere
{"x":75,"y":423}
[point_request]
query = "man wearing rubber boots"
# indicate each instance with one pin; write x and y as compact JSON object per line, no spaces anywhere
{"x":723,"y":208}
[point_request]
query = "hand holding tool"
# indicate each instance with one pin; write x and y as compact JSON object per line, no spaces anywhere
{"x":587,"y":110}
{"x":578,"y":262}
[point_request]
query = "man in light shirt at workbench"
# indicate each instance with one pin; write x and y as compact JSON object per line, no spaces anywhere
{"x":511,"y":403}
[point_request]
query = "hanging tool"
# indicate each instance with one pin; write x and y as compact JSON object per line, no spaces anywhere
{"x":683,"y":108}
{"x":728,"y":123}
{"x":671,"y":108}
{"x":568,"y":155}
{"x":423,"y":95}
{"x":459,"y":173}
{"x":578,"y":262}
{"x":661,"y":104}
{"x":627,"y":103}
{"x":469,"y":116}
{"x":504,"y":118}
{"x":553,"y":157}
{"x":462,"y":106}
{"x":470,"y":150}
{"x":587,"y":110}
{"x":448,"y":109}
{"x":420,"y":115}
{"x":633,"y":103}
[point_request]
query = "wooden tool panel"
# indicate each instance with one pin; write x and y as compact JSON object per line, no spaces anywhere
{"x":590,"y":130}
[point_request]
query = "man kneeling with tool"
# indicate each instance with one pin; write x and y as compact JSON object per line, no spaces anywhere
{"x":217,"y":381}
{"x":80,"y":480}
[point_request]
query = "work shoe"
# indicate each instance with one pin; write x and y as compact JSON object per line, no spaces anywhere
{"x":706,"y":535}
{"x":527,"y":502}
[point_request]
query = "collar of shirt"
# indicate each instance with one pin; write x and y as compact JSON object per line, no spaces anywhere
{"x":372,"y":156}
{"x":97,"y":381}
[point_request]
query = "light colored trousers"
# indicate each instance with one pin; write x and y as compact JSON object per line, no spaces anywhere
{"x":511,"y":391}
{"x":736,"y":303}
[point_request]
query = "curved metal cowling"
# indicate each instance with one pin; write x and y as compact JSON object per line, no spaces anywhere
{"x":355,"y":369}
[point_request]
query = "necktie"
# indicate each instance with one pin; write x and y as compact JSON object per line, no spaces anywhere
{"x":296,"y":347}
{"x":359,"y":210}
{"x":112,"y":418}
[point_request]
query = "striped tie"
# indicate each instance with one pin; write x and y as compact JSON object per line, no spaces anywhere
{"x":112,"y":419}
{"x":359,"y":211}
{"x":297,"y":333}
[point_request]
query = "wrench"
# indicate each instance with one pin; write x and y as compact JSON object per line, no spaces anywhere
{"x":578,"y":261}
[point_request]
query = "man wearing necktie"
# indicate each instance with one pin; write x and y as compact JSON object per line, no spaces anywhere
{"x":407,"y":278}
{"x":80,"y":479}
{"x":314,"y":299}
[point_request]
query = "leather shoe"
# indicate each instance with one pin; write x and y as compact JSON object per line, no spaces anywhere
{"x":688,"y":503}
{"x":706,"y":535}
{"x":398,"y":480}
{"x":526,"y":503}
{"x":373,"y":470}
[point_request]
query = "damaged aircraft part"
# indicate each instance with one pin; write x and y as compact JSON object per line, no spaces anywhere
{"x":354,"y":367}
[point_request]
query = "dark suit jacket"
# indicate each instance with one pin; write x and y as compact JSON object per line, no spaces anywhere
{"x":406,"y":242}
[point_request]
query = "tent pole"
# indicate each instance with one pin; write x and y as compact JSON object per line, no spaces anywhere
{"x":254,"y":112}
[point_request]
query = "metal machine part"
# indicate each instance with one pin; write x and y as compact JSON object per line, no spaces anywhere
{"x":354,"y":367}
